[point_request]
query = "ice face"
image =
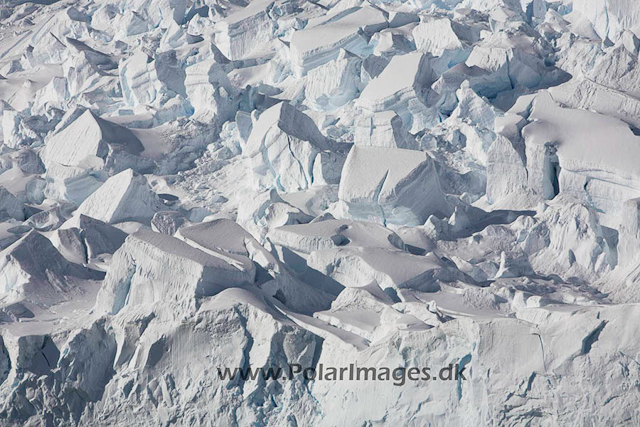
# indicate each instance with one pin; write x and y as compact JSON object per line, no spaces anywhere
{"x":391,"y":185}
{"x":195,"y":186}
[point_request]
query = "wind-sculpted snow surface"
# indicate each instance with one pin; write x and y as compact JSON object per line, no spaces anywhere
{"x":320,"y":213}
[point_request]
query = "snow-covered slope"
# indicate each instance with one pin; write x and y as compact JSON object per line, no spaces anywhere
{"x":421,"y":212}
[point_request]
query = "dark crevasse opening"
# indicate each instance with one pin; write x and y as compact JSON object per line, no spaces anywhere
{"x":555,"y":177}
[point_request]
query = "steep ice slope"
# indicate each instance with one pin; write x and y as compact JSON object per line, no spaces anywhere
{"x":10,"y":206}
{"x":289,"y":153}
{"x":226,"y":239}
{"x":391,"y":185}
{"x":537,"y":351}
{"x":154,"y":267}
{"x":99,"y":237}
{"x":93,"y":142}
{"x":399,"y":88}
{"x":123,"y":197}
{"x":610,"y":17}
{"x":36,"y":276}
{"x":384,"y":186}
{"x":575,"y":153}
{"x":238,"y":34}
{"x":321,"y":40}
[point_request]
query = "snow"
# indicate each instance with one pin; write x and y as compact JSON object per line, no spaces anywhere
{"x":390,"y":270}
{"x":205,"y":237}
{"x":237,"y":34}
{"x":399,"y":87}
{"x":90,"y":136}
{"x":321,"y":40}
{"x":36,"y":274}
{"x":436,"y":36}
{"x":285,"y":149}
{"x":383,"y":184}
{"x":610,"y":17}
{"x":123,"y":197}
{"x":577,"y":138}
{"x":9,"y":205}
{"x":334,"y":233}
{"x":400,"y":78}
{"x":384,"y":129}
{"x":333,"y":84}
{"x":99,"y":237}
{"x":154,"y":267}
{"x":227,"y":240}
{"x":187,"y":186}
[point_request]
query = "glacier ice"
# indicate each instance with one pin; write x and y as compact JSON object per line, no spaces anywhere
{"x":89,"y":137}
{"x":289,"y":152}
{"x":123,"y":197}
{"x":324,"y":36}
{"x":35,"y":274}
{"x":188,"y":186}
{"x":172,"y":271}
{"x":402,"y":186}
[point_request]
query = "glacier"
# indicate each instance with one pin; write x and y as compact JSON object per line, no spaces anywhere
{"x":194,"y":187}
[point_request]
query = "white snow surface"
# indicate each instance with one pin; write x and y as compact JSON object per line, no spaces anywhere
{"x":193,"y":185}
